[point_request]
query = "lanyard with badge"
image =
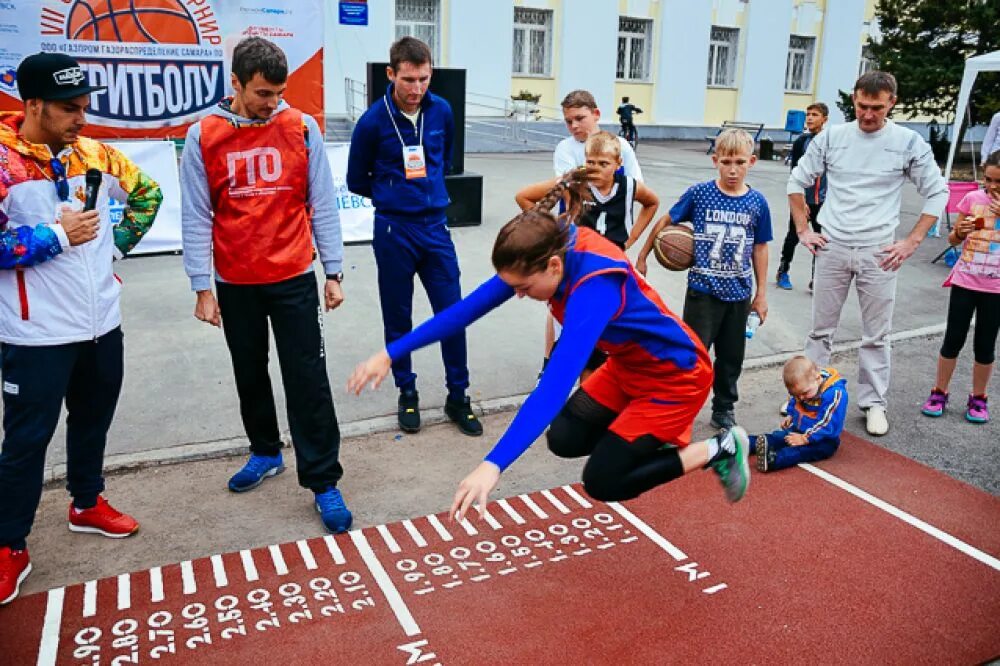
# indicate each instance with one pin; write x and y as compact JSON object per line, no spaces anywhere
{"x":413,"y":156}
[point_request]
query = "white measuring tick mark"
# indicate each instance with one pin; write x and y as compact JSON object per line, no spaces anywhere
{"x":439,"y":528}
{"x":558,"y":557}
{"x":610,"y":544}
{"x":509,"y":510}
{"x":534,"y":507}
{"x":249,"y":568}
{"x":90,"y":598}
{"x":306,"y":553}
{"x":390,"y":542}
{"x":335,"y":553}
{"x":509,"y":570}
{"x":630,"y":539}
{"x":187,"y":578}
{"x":155,"y":584}
{"x":426,"y":590}
{"x":454,"y":583}
{"x":219,"y":571}
{"x":531,"y":565}
{"x":580,"y":499}
{"x":417,"y":537}
{"x":279,"y":560}
{"x":480,"y":577}
{"x":124,"y":591}
{"x":583,"y":551}
{"x":468,"y":527}
{"x":715,"y":588}
{"x":490,"y":520}
{"x":555,"y":501}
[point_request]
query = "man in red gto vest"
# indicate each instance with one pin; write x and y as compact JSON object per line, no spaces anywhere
{"x":257,"y":193}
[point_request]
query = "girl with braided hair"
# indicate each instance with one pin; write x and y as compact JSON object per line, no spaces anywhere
{"x":608,"y":208}
{"x":633,"y":416}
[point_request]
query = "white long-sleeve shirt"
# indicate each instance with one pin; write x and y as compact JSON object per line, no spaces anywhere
{"x":865,"y":175}
{"x":570,"y":154}
{"x":991,"y":142}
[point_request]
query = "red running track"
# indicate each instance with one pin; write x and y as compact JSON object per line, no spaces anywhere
{"x":808,"y":568}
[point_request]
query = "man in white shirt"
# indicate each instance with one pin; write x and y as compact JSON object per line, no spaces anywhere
{"x":582,"y":119}
{"x":866,"y":162}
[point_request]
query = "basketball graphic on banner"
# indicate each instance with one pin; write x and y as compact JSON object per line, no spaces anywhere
{"x":154,"y":22}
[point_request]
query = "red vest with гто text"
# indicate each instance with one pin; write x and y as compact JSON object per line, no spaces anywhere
{"x":258,"y":180}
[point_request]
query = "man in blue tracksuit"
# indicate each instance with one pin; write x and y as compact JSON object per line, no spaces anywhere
{"x":400,"y":153}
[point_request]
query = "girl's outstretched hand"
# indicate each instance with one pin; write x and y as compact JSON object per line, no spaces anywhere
{"x":475,"y":488}
{"x":372,"y":372}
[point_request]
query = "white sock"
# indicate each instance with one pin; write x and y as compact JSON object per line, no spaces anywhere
{"x":713,"y":447}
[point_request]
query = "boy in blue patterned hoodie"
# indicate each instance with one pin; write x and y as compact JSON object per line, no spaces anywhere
{"x":816,"y":409}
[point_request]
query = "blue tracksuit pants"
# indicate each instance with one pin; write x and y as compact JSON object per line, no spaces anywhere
{"x":405,"y":247}
{"x":789,"y":456}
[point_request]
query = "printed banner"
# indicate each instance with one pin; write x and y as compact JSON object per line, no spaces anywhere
{"x":164,"y":62}
{"x":357,"y":215}
{"x":159,"y":160}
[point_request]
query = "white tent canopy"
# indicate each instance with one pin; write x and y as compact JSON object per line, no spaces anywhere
{"x":988,"y":62}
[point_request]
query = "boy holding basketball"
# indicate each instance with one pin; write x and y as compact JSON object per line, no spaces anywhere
{"x":732,"y":226}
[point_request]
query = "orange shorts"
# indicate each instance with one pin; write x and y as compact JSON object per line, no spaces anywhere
{"x":657,"y":400}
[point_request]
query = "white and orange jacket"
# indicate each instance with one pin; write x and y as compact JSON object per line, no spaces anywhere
{"x":52,"y":293}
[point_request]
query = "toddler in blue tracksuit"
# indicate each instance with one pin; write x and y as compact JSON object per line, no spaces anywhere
{"x":816,"y":409}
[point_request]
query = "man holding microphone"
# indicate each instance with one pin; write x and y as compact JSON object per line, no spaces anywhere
{"x":60,"y":320}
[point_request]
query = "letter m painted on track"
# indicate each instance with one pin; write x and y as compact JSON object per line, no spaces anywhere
{"x":416,"y":654}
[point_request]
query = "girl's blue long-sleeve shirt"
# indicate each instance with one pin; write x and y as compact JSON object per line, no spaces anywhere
{"x":823,"y":416}
{"x":592,"y":306}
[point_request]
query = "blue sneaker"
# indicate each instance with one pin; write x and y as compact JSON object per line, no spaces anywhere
{"x":336,"y":517}
{"x":255,"y":471}
{"x":784,"y":282}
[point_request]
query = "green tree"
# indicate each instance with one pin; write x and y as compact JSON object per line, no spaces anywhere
{"x":925,"y":44}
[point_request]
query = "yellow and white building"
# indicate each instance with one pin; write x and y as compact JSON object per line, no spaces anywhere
{"x":684,"y":62}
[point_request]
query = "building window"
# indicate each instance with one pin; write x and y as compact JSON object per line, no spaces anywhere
{"x":722,"y":50}
{"x":799,"y":66}
{"x":419,"y":18}
{"x":635,"y":37}
{"x":532,"y":42}
{"x":868,"y":62}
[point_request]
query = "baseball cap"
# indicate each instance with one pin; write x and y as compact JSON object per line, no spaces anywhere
{"x":52,"y":76}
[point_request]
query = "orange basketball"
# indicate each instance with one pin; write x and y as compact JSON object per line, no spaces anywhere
{"x":674,"y":247}
{"x":150,"y":21}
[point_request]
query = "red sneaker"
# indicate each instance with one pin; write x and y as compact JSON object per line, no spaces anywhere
{"x":14,"y":568}
{"x":102,"y":519}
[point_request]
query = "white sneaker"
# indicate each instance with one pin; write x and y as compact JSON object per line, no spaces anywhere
{"x":783,"y":410}
{"x":876,"y":421}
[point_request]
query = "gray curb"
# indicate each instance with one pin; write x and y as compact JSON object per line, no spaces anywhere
{"x":224,"y":448}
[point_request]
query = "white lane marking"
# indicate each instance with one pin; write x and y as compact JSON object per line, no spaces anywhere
{"x":124,"y":591}
{"x":307,"y":554}
{"x":468,"y":527}
{"x":555,"y":501}
{"x":155,"y":584}
{"x":414,"y":534}
{"x":249,"y":568}
{"x":910,"y":519}
{"x":331,"y":545}
{"x":90,"y":598}
{"x":650,"y":533}
{"x":279,"y":560}
{"x":402,"y":612}
{"x":439,"y":528}
{"x":187,"y":577}
{"x":48,"y":647}
{"x":715,"y":588}
{"x":534,"y":507}
{"x":580,"y":499}
{"x":509,"y":510}
{"x":390,"y":542}
{"x":490,"y":520}
{"x":219,"y":571}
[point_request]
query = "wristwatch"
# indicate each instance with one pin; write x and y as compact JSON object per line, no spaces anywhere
{"x":336,"y":277}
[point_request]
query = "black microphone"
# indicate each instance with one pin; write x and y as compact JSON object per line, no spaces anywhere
{"x":94,"y":177}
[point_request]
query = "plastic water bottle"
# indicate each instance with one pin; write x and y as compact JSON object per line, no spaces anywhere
{"x":753,"y":321}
